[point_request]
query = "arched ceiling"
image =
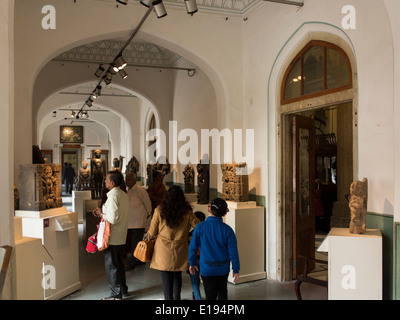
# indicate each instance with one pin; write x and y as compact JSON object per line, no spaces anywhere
{"x":137,"y":53}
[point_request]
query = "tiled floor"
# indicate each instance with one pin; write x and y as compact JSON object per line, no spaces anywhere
{"x":145,"y":283}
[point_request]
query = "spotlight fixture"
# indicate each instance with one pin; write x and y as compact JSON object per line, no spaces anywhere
{"x":72,"y":114}
{"x":119,"y":64}
{"x":146,"y":3}
{"x":108,"y":78}
{"x":85,"y":115}
{"x":89,"y":102}
{"x":113,"y":69}
{"x":123,"y":74}
{"x":191,"y":6}
{"x":54,"y":114}
{"x":159,"y":9}
{"x":124,"y":2}
{"x":97,"y":92}
{"x":99,"y":71}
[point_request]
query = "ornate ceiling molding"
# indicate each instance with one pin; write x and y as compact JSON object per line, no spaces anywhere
{"x":138,"y":53}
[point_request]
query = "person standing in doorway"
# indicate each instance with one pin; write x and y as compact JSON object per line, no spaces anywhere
{"x":139,"y":211}
{"x":115,"y":211}
{"x":69,"y":177}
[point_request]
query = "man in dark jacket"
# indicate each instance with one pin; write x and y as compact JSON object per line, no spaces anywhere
{"x":68,"y":178}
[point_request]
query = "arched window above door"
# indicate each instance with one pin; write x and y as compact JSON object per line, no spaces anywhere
{"x":320,"y":68}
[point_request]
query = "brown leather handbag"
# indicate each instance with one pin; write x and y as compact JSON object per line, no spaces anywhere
{"x":144,"y":249}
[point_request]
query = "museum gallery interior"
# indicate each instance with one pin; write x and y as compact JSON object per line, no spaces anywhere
{"x":288,"y":110}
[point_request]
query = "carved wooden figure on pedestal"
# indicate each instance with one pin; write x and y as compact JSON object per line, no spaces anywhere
{"x":98,"y":173}
{"x":188,"y":174}
{"x":84,"y":177}
{"x":358,"y":206}
{"x":234,"y":187}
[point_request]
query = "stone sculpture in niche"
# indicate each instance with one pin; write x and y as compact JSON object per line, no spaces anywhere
{"x":132,"y":166}
{"x":358,"y":206}
{"x":234,"y":187}
{"x":83,"y":177}
{"x":39,"y":187}
{"x":188,"y":174}
{"x":98,"y":173}
{"x":203,"y":181}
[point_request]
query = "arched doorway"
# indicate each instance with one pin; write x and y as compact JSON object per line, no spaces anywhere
{"x":317,"y":124}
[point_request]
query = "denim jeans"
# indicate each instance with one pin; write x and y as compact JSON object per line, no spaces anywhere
{"x":195,"y":280}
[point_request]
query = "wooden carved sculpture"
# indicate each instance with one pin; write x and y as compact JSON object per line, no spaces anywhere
{"x":358,"y":206}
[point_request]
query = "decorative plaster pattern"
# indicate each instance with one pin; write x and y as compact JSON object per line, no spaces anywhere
{"x":137,"y":53}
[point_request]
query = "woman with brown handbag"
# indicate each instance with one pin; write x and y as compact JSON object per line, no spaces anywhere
{"x":171,"y":223}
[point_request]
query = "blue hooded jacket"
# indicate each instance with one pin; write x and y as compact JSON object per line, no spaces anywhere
{"x":218,"y":248}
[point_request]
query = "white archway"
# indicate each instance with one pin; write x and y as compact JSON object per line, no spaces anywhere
{"x":306,"y":32}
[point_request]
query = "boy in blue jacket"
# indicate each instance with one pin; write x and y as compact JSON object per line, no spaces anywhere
{"x":218,"y":247}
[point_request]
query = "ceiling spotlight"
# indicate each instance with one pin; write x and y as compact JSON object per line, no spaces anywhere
{"x":146,"y":3}
{"x":159,"y":9}
{"x":85,"y":115}
{"x":123,"y":74}
{"x":119,"y":63}
{"x":73,"y":114}
{"x":191,"y":6}
{"x":54,"y":114}
{"x":108,"y":78}
{"x":96,"y":92}
{"x":89,"y":102}
{"x":124,"y":2}
{"x":99,"y":71}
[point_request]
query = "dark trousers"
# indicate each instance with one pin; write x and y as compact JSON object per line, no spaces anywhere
{"x":216,"y":287}
{"x":135,"y":236}
{"x":115,"y":270}
{"x":172,"y":283}
{"x":68,"y":186}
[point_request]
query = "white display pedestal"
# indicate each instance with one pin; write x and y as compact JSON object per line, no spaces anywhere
{"x":355,"y":264}
{"x":58,"y":233}
{"x":78,"y":202}
{"x":200,"y":207}
{"x":247,"y":220}
{"x":28,"y":257}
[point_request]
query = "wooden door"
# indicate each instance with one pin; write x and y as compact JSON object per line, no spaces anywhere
{"x":303,"y":191}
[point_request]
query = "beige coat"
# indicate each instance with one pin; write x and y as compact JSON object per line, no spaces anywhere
{"x":171,"y":247}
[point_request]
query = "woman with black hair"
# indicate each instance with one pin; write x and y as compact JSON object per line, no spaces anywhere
{"x":172,"y":221}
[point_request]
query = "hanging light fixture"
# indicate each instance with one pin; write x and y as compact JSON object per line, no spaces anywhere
{"x":159,"y":9}
{"x":119,"y":64}
{"x":191,"y":6}
{"x":107,"y":78}
{"x":124,"y":2}
{"x":96,"y":92}
{"x":85,"y":114}
{"x":72,"y":114}
{"x":89,"y":102}
{"x":123,"y":74}
{"x":99,"y":71}
{"x":146,"y":3}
